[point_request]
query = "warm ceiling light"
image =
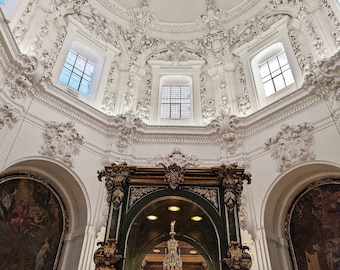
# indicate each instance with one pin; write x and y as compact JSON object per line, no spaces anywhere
{"x":196,"y":218}
{"x":193,"y":252}
{"x":152,"y":217}
{"x":174,"y":208}
{"x":156,"y":250}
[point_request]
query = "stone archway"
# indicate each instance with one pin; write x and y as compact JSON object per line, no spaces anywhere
{"x":204,"y":235}
{"x":71,"y":193}
{"x":278,"y":202}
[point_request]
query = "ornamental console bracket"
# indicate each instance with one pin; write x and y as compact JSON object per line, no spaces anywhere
{"x":116,"y":176}
{"x":231,"y":179}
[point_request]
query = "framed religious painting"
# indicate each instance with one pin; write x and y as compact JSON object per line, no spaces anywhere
{"x":33,"y":223}
{"x":313,"y":227}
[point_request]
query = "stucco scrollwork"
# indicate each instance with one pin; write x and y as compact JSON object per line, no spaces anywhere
{"x":178,"y":157}
{"x":115,"y":177}
{"x":231,"y":178}
{"x":19,"y":85}
{"x":126,"y":125}
{"x":174,"y":165}
{"x":174,"y":175}
{"x":7,"y":116}
{"x":331,"y":15}
{"x":227,"y":126}
{"x":243,"y":101}
{"x":242,"y":213}
{"x":291,"y":145}
{"x":323,"y":80}
{"x":144,"y":104}
{"x":110,"y":95}
{"x":208,"y":105}
{"x":237,"y":257}
{"x":176,"y":53}
{"x":136,"y":193}
{"x":211,"y":194}
{"x":62,"y":141}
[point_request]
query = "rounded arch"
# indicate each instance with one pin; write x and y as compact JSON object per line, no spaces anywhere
{"x":212,"y":227}
{"x":278,"y":200}
{"x":71,"y":191}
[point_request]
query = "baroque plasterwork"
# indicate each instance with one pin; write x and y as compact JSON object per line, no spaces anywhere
{"x":242,"y":213}
{"x":324,"y":82}
{"x":110,"y":95}
{"x":151,"y":23}
{"x":210,"y":194}
{"x":115,"y":176}
{"x":8,"y":116}
{"x":331,"y":15}
{"x":174,"y":165}
{"x":291,"y":145}
{"x":18,"y":85}
{"x":216,"y":41}
{"x":137,"y":193}
{"x":228,"y":127}
{"x":100,"y":123}
{"x":144,"y":104}
{"x":208,"y":104}
{"x":176,"y":157}
{"x":125,"y":126}
{"x":231,"y":177}
{"x":62,"y":141}
{"x":243,"y":101}
{"x":176,"y":53}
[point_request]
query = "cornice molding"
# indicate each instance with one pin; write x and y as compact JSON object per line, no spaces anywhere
{"x":199,"y":25}
{"x":271,"y":115}
{"x":27,"y":67}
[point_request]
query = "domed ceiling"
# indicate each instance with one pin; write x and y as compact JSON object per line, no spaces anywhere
{"x":171,"y":19}
{"x":178,"y":11}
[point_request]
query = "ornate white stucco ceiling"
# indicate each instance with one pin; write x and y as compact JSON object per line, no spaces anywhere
{"x":178,"y":11}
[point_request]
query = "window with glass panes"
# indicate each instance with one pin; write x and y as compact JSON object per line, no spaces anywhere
{"x":77,"y":72}
{"x":175,"y":102}
{"x":276,"y":74}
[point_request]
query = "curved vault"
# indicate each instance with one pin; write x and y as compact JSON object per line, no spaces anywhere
{"x":144,"y":235}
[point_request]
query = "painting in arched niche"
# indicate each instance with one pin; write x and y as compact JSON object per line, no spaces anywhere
{"x":32,"y":224}
{"x":314,"y":227}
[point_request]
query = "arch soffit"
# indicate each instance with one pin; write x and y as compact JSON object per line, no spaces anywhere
{"x":286,"y":187}
{"x":66,"y":182}
{"x":162,"y":195}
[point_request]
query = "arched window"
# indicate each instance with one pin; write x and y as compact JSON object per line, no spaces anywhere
{"x":276,"y":74}
{"x":175,"y":97}
{"x":81,"y":70}
{"x":77,"y":72}
{"x":271,"y":69}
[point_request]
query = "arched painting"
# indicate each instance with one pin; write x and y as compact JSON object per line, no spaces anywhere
{"x":32,"y":224}
{"x":314,"y":227}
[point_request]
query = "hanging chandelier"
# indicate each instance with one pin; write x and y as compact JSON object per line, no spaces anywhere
{"x":172,"y":260}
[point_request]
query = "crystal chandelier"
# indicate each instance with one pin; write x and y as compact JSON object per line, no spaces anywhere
{"x":172,"y":260}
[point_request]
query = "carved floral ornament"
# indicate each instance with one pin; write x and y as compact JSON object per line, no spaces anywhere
{"x":232,"y":178}
{"x":115,"y":176}
{"x":227,"y":127}
{"x":213,"y":23}
{"x":174,"y":165}
{"x":7,"y":116}
{"x":127,"y":125}
{"x":323,"y":80}
{"x":106,"y":256}
{"x":237,"y":258}
{"x":62,"y":141}
{"x":291,"y":145}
